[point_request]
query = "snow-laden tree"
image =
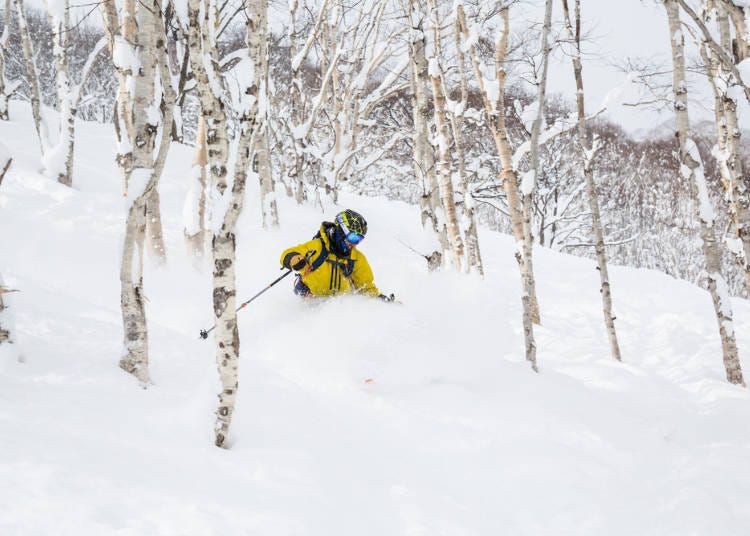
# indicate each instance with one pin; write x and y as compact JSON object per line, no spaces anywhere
{"x":530,"y":178}
{"x":588,"y":153}
{"x":195,"y":208}
{"x":257,"y":44}
{"x":446,"y":214}
{"x":491,"y":80}
{"x":57,"y":144}
{"x":7,"y":88}
{"x":356,"y":71}
{"x":691,"y":168}
{"x":32,"y":77}
{"x":723,"y":56}
{"x":423,"y":151}
{"x":137,"y":45}
{"x":7,"y":338}
{"x":7,"y":343}
{"x":242,"y":90}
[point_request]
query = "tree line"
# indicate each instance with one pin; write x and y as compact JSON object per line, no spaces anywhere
{"x":441,"y":104}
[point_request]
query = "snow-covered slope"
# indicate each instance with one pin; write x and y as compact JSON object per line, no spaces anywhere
{"x":456,"y":436}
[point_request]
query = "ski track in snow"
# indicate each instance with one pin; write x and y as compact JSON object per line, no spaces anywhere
{"x":456,"y":436}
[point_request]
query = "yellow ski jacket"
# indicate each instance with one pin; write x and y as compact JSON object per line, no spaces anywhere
{"x":328,"y":274}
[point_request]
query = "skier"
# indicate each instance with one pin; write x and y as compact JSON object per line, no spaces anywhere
{"x":330,"y":263}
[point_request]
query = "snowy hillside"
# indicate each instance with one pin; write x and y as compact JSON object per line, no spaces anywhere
{"x":456,"y":436}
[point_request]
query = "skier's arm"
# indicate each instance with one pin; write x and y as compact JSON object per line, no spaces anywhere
{"x":363,"y":279}
{"x":295,"y":258}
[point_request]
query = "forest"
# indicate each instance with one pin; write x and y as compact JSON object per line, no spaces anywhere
{"x":442,"y":105}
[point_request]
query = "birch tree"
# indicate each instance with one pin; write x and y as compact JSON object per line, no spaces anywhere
{"x":691,"y":167}
{"x":32,"y":77}
{"x":529,"y":182}
{"x":7,"y":339}
{"x":588,"y":153}
{"x":194,"y":211}
{"x":137,"y":45}
{"x":245,"y":98}
{"x":354,"y":48}
{"x":468,"y":222}
{"x":6,"y":322}
{"x":257,"y":42}
{"x":723,"y":57}
{"x":6,"y":88}
{"x":57,"y":148}
{"x":447,"y":215}
{"x":491,"y":82}
{"x":423,"y":152}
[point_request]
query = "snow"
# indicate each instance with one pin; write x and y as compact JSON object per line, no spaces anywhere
{"x":704,"y":202}
{"x":744,"y":69}
{"x":125,"y":55}
{"x":455,"y":435}
{"x":190,"y":216}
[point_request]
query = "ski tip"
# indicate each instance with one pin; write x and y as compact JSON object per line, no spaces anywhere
{"x":369,"y":381}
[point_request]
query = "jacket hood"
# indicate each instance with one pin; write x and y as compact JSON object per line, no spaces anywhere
{"x":328,"y":234}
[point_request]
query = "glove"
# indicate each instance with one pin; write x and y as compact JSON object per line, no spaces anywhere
{"x":297,"y":262}
{"x":388,"y":298}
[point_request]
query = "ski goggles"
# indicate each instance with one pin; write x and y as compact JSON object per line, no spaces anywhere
{"x":354,"y":238}
{"x":349,"y":235}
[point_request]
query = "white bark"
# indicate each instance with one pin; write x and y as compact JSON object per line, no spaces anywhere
{"x":536,"y":129}
{"x":195,"y":204}
{"x":203,"y":58}
{"x":140,"y":182}
{"x":257,"y":40}
{"x":692,"y":170}
{"x":729,"y":133}
{"x":33,"y":78}
{"x":424,"y":152}
{"x":4,"y":42}
{"x":226,"y":203}
{"x":7,"y":328}
{"x":473,"y":261}
{"x":588,"y":153}
{"x":59,"y":159}
{"x":494,"y":109}
{"x":449,"y":214}
{"x":136,"y":41}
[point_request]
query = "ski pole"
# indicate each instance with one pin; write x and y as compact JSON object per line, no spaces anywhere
{"x":204,"y":332}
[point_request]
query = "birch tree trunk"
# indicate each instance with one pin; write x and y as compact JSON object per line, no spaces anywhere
{"x":723,"y":59}
{"x":122,"y":118}
{"x":529,"y":187}
{"x":692,"y":169}
{"x":736,"y":185}
{"x":140,"y":180}
{"x":447,"y":216}
{"x":154,"y":230}
{"x":203,"y":59}
{"x":252,"y":123}
{"x":588,"y":152}
{"x":6,"y":322}
{"x":473,"y":255}
{"x":227,"y":204}
{"x":4,"y":42}
{"x":494,"y":109}
{"x":257,"y":39}
{"x":59,"y":160}
{"x":135,"y":41}
{"x":195,"y":205}
{"x":33,"y":78}
{"x":296,"y":169}
{"x":424,"y":153}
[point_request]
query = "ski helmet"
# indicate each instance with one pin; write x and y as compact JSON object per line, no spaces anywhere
{"x":353,"y":225}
